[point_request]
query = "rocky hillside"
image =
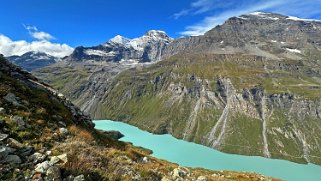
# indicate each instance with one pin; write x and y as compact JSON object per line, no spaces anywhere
{"x":43,"y":136}
{"x":250,"y":86}
{"x":146,"y":48}
{"x":33,"y":60}
{"x":264,"y":34}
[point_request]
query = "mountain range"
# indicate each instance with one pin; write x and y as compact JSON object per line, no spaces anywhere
{"x":249,"y":86}
{"x":147,"y":48}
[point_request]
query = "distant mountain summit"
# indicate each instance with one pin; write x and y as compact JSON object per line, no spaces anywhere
{"x":119,"y":40}
{"x":147,"y":48}
{"x":33,"y":60}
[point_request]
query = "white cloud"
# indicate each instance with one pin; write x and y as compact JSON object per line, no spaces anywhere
{"x":9,"y":47}
{"x":39,"y":35}
{"x":203,"y":6}
{"x":42,"y":43}
{"x":300,"y":8}
{"x":30,"y":28}
{"x":183,"y":12}
{"x":42,"y":36}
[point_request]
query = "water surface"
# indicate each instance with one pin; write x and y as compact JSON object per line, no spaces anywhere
{"x":193,"y":155}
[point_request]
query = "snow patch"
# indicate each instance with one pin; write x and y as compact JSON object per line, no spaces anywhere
{"x":264,"y":15}
{"x":293,"y":50}
{"x":99,"y":53}
{"x":240,"y":17}
{"x":129,"y":61}
{"x":156,"y":33}
{"x":301,"y":19}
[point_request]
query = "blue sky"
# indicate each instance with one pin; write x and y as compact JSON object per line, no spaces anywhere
{"x":69,"y":23}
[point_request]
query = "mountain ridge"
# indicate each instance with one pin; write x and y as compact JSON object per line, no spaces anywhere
{"x":253,"y":34}
{"x":33,"y":60}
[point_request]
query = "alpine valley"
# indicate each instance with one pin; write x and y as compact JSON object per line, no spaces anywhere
{"x":251,"y":86}
{"x":44,"y":137}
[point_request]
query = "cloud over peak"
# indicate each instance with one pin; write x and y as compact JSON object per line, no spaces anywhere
{"x":9,"y":47}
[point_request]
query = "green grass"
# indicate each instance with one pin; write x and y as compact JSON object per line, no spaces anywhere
{"x":206,"y":120}
{"x":246,"y":137}
{"x":40,"y":105}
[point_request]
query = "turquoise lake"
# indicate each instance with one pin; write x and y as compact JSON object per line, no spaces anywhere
{"x":193,"y":155}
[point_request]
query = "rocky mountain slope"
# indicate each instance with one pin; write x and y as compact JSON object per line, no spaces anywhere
{"x":264,"y":34}
{"x":33,"y":60}
{"x":146,"y":48}
{"x":43,"y":136}
{"x":250,"y":86}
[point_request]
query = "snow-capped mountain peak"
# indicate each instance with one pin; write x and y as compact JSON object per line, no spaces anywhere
{"x":119,"y":39}
{"x":37,"y":55}
{"x":146,"y":48}
{"x":157,"y":34}
{"x":33,"y":60}
{"x":274,"y":16}
{"x":150,"y":37}
{"x":264,"y":15}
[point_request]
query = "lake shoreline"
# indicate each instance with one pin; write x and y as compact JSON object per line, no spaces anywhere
{"x":175,"y":150}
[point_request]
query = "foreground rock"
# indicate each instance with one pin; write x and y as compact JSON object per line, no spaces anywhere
{"x":113,"y":134}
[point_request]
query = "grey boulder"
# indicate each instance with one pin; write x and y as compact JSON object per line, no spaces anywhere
{"x":53,"y":173}
{"x":3,"y":136}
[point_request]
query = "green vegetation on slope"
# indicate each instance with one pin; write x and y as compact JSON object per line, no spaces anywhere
{"x":186,"y":94}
